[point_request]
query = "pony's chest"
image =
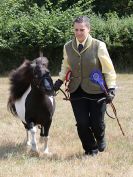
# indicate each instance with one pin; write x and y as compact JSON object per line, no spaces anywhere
{"x":28,"y":103}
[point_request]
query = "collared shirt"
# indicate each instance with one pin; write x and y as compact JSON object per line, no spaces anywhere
{"x":105,"y":60}
{"x":83,"y":43}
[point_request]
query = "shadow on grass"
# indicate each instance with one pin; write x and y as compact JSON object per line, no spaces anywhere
{"x":62,"y":158}
{"x":10,"y":150}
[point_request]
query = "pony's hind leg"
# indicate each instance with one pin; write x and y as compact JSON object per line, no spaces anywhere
{"x":44,"y":136}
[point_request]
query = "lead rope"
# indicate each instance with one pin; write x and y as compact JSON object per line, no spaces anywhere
{"x":115,"y":113}
{"x":67,"y":81}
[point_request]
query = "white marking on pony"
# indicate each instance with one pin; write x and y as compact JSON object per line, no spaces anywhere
{"x":46,"y":150}
{"x":28,"y":141}
{"x":51,"y":99}
{"x":33,"y":139}
{"x":20,"y":105}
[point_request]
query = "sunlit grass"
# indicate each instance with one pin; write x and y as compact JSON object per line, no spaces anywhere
{"x":67,"y":159}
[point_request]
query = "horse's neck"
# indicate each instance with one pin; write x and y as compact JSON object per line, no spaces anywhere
{"x":37,"y":94}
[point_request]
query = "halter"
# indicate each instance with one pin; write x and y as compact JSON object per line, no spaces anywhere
{"x":46,"y":78}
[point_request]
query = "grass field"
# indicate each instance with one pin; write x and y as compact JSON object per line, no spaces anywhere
{"x":67,"y":159}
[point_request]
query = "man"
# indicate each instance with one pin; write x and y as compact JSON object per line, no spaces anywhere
{"x":82,"y":55}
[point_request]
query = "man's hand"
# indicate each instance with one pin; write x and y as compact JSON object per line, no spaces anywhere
{"x":110,"y":96}
{"x":58,"y":84}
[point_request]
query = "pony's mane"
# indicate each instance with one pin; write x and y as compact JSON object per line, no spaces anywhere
{"x":20,"y":80}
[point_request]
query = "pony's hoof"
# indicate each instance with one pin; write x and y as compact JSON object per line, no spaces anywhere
{"x":34,"y":153}
{"x":28,"y":143}
{"x":47,"y":155}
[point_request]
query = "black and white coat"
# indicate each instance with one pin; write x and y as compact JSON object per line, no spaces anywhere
{"x":32,"y":99}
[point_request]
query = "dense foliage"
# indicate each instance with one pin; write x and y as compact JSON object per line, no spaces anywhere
{"x":122,"y":7}
{"x":30,"y":26}
{"x":25,"y":25}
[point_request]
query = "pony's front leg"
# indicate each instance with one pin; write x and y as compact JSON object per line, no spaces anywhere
{"x":28,"y":141}
{"x":33,"y":139}
{"x":44,"y":136}
{"x":46,"y":150}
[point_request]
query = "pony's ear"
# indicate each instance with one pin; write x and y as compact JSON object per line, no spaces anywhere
{"x":33,"y":65}
{"x":46,"y":61}
{"x":25,"y":64}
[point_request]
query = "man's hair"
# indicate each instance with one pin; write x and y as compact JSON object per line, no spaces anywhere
{"x":82,"y":19}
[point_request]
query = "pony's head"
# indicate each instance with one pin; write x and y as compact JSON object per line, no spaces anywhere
{"x":41,"y":76}
{"x":34,"y":73}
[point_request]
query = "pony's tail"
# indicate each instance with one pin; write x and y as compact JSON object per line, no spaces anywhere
{"x":11,"y":106}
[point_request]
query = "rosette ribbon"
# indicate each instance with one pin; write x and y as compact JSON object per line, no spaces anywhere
{"x":97,"y":78}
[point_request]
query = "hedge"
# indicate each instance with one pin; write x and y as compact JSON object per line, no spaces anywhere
{"x":23,"y":35}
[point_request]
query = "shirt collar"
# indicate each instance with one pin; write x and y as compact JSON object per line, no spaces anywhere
{"x":83,"y":43}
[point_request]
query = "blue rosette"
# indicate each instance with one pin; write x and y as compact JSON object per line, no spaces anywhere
{"x":97,"y":78}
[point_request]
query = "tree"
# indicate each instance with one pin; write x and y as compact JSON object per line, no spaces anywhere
{"x":122,"y":7}
{"x":24,"y":24}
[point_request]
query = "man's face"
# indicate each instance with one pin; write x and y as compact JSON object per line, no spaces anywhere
{"x":81,"y":31}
